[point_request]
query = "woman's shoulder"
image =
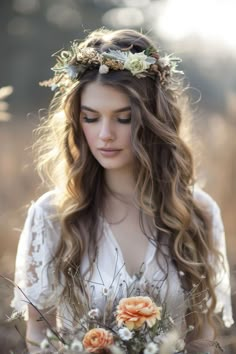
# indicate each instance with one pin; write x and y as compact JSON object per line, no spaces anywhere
{"x":43,"y":218}
{"x":46,"y":203}
{"x":43,"y":212}
{"x":205,"y":199}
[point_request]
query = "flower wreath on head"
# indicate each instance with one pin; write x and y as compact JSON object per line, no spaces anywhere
{"x":72,"y":64}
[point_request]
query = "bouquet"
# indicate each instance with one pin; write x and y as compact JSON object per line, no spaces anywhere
{"x":134,"y":322}
{"x":137,"y":326}
{"x":137,"y":323}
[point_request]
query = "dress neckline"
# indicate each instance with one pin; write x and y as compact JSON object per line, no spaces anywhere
{"x":150,"y":252}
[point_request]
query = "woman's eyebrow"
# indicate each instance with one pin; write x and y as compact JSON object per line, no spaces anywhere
{"x":123,"y":109}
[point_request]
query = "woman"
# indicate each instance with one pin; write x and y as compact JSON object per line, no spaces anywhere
{"x":122,"y":191}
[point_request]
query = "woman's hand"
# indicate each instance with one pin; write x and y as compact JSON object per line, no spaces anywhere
{"x":36,"y":328}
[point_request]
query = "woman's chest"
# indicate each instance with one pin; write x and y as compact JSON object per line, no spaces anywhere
{"x":132,"y":242}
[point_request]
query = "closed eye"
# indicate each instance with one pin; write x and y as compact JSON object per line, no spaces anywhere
{"x":124,"y":120}
{"x":92,"y":120}
{"x":89,"y":120}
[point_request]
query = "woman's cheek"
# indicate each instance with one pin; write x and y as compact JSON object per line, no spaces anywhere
{"x":89,"y":136}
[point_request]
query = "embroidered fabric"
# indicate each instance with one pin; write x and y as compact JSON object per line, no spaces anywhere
{"x":39,"y":240}
{"x":36,"y":247}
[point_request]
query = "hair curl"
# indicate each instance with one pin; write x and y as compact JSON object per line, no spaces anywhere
{"x":163,"y":170}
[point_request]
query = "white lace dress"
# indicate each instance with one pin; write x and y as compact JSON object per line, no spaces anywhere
{"x":40,"y":238}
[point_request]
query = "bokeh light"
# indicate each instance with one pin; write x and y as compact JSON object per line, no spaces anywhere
{"x":63,"y":16}
{"x":26,"y":6}
{"x":211,"y":21}
{"x":123,"y":17}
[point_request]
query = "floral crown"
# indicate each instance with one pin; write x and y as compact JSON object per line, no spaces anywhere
{"x":71,"y":65}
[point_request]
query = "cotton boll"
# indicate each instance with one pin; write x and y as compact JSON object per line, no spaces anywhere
{"x":168,"y":346}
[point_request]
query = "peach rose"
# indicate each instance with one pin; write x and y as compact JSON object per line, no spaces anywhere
{"x":97,"y":339}
{"x":133,"y":312}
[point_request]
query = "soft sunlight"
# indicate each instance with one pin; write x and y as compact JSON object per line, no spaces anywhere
{"x":211,"y":20}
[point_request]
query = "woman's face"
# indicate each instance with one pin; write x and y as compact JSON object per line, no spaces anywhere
{"x":106,"y":122}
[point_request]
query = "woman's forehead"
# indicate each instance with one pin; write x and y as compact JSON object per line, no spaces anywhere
{"x":98,"y":97}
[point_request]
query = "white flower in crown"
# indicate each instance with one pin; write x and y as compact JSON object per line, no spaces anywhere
{"x":103,"y":69}
{"x":151,"y":348}
{"x":137,"y":63}
{"x":164,"y":61}
{"x":125,"y":334}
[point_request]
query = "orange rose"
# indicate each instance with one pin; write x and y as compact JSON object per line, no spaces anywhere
{"x":133,"y":312}
{"x":97,"y":339}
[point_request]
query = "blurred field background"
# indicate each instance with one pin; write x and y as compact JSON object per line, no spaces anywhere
{"x":201,"y":32}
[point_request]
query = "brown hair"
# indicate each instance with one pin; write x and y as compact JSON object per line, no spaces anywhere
{"x":163,"y":169}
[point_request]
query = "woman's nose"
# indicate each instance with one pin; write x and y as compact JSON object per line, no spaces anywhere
{"x":106,"y":131}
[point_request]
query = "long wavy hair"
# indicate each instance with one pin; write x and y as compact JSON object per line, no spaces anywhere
{"x":164,"y":175}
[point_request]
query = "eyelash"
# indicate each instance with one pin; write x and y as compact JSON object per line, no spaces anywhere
{"x":93,"y":120}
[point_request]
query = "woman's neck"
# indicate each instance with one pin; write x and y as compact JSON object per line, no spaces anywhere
{"x":120,"y":200}
{"x":121,"y":182}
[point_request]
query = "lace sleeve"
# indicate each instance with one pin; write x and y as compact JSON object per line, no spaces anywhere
{"x":222,"y":281}
{"x":33,"y":275}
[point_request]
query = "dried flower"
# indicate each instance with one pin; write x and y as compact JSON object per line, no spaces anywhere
{"x":136,"y":63}
{"x":76,"y":345}
{"x":180,"y":345}
{"x":15,"y":316}
{"x":165,"y":61}
{"x":160,"y":338}
{"x":151,"y":348}
{"x":44,"y":344}
{"x":125,"y":334}
{"x":50,"y":334}
{"x":103,"y":69}
{"x":105,"y":291}
{"x":94,"y":313}
{"x":96,"y":339}
{"x":133,"y":312}
{"x":72,"y":64}
{"x":168,"y":346}
{"x":72,"y":71}
{"x":115,"y":349}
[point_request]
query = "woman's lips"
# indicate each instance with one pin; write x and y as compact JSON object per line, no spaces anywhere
{"x":109,"y":152}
